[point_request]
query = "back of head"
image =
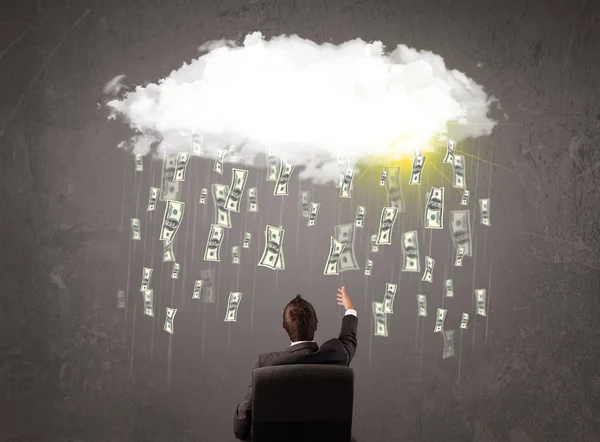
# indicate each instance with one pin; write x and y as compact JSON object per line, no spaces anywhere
{"x":300,"y":320}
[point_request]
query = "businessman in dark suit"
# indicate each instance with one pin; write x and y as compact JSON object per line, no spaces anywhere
{"x":300,"y":323}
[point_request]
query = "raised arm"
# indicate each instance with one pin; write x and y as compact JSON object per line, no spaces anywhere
{"x":349,"y":324}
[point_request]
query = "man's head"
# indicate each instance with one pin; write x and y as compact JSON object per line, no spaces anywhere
{"x":300,"y":320}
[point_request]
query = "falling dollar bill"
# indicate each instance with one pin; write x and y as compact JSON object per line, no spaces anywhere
{"x":222,"y":215}
{"x":480,"y":298}
{"x":233,"y":303}
{"x":484,"y":211}
{"x":439,"y":320}
{"x":235,"y":255}
{"x":169,"y":320}
{"x":136,"y":233}
{"x":281,"y":187}
{"x":449,"y":158}
{"x":197,"y":289}
{"x":212,"y":252}
{"x":434,"y":211}
{"x":171,"y":220}
{"x":153,"y":198}
{"x":175,"y":271}
{"x":380,"y":319}
{"x":197,"y":142}
{"x":394,"y":189}
{"x":368,"y":267}
{"x":360,"y":217}
{"x":458,"y":180}
{"x":386,"y":225}
{"x":388,"y":298}
{"x":218,"y":167}
{"x":182,"y":161}
{"x":374,"y":246}
{"x":148,"y":296}
{"x":345,"y":234}
{"x":448,"y":288}
{"x":417,"y":170}
{"x":121,"y":299}
{"x":429,"y":264}
{"x":273,"y":166}
{"x":305,"y":203}
{"x":448,"y":336}
{"x":139,"y":163}
{"x":383,"y":178}
{"x":464,"y":201}
{"x":146,"y":276}
{"x":312,"y":215}
{"x":422,"y":305}
{"x":346,"y":187}
{"x":170,"y":189}
{"x":207,"y":286}
{"x":168,"y":251}
{"x":273,"y":250}
{"x":460,"y":229}
{"x":410,"y":252}
{"x":460,"y":253}
{"x":464,"y":320}
{"x":247,"y":239}
{"x":203,"y":195}
{"x":332,"y":266}
{"x":342,"y":164}
{"x":238,"y":183}
{"x":253,"y":199}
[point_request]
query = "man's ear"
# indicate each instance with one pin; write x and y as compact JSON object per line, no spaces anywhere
{"x":316,"y":326}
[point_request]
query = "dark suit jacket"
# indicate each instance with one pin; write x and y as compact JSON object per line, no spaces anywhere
{"x":338,"y":351}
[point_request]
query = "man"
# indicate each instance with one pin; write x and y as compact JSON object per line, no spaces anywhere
{"x":300,"y":323}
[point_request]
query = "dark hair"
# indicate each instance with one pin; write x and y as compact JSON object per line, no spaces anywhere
{"x":300,"y":320}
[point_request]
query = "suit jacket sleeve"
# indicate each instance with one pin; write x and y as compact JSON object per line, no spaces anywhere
{"x":242,"y":420}
{"x":348,"y":335}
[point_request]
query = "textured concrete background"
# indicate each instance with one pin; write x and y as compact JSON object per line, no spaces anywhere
{"x":73,"y":367}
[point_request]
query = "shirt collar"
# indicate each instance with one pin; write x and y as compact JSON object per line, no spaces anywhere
{"x":300,"y":342}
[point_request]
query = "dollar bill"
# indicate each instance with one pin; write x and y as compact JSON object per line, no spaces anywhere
{"x":394,"y":189}
{"x":429,"y":264}
{"x":422,"y":305}
{"x":305,"y":203}
{"x":218,"y":167}
{"x":121,"y":299}
{"x":222,"y":215}
{"x":183,"y":159}
{"x":332,"y":266}
{"x":460,"y":229}
{"x":368,"y":267}
{"x":458,"y":179}
{"x":386,"y":225}
{"x":465,"y":198}
{"x":169,"y":320}
{"x":439,"y":320}
{"x":212,"y":252}
{"x":388,"y":297}
{"x":360,"y":217}
{"x":203,"y":195}
{"x":171,"y":190}
{"x":480,"y":298}
{"x":233,"y":303}
{"x":235,"y":255}
{"x":342,"y":164}
{"x":374,"y":246}
{"x":207,"y":287}
{"x":238,"y":183}
{"x":281,"y":187}
{"x":175,"y":271}
{"x":168,"y":251}
{"x":410,"y":252}
{"x":139,"y":163}
{"x":153,"y":198}
{"x":484,"y":211}
{"x":247,"y":239}
{"x":312,"y":214}
{"x":197,"y":142}
{"x":464,"y":320}
{"x":346,"y":187}
{"x":383,"y":178}
{"x":434,"y":211}
{"x":148,"y":296}
{"x":460,"y":253}
{"x":448,"y":336}
{"x":448,"y":288}
{"x":345,"y":234}
{"x":136,"y":233}
{"x":417,"y":170}
{"x":146,"y":276}
{"x":449,"y":158}
{"x":197,"y":289}
{"x":171,"y":220}
{"x":273,"y":165}
{"x":380,"y":320}
{"x":253,"y":199}
{"x":273,"y":247}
